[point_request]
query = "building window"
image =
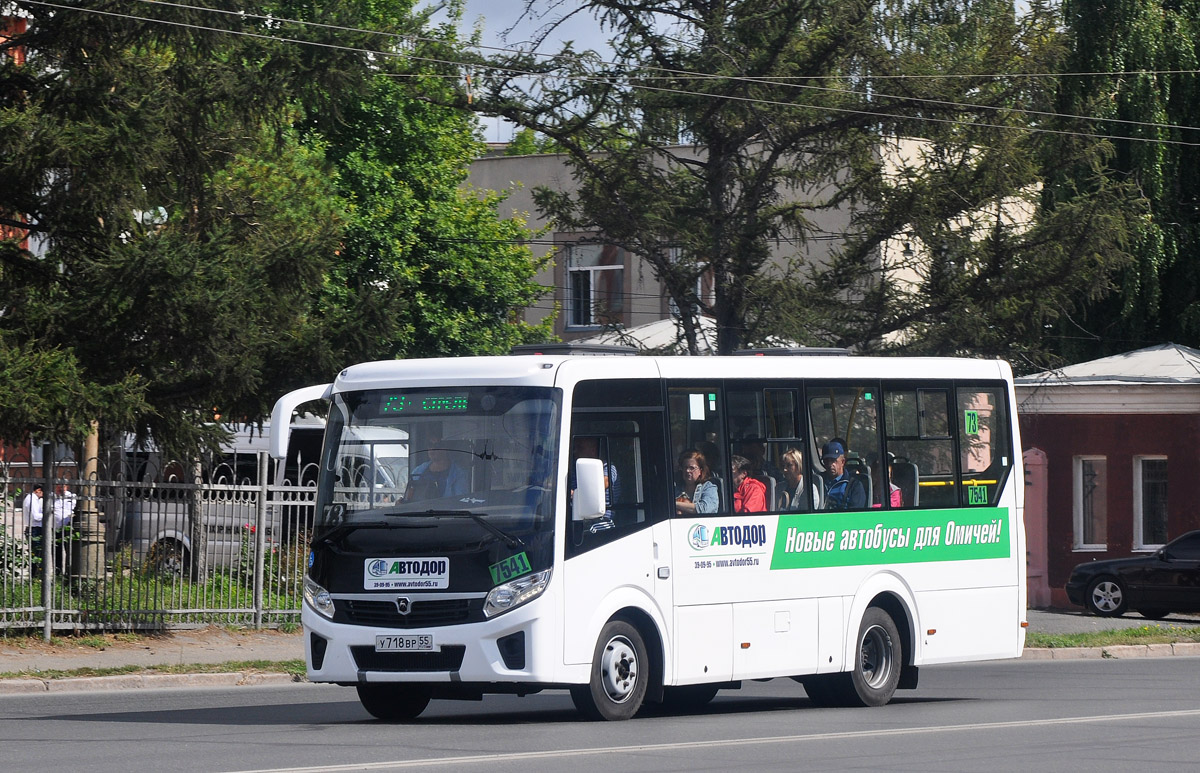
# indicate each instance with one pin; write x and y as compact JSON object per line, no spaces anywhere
{"x":595,"y":285}
{"x":705,"y":288}
{"x":1149,"y":502}
{"x":1091,"y":503}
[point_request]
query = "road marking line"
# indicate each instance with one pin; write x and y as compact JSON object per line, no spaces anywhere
{"x":553,"y":753}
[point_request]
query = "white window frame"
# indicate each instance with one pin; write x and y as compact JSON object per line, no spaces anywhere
{"x":592,"y":272}
{"x":706,"y":291}
{"x":1138,"y":514}
{"x":1077,"y":497}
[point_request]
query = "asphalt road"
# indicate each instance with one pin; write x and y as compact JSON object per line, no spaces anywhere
{"x":1095,"y":715}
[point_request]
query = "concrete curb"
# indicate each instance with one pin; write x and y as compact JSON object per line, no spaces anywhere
{"x":1184,"y":649}
{"x":143,"y":682}
{"x":256,"y":678}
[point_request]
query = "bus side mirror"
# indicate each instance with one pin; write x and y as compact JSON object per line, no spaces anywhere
{"x":588,"y":501}
{"x":281,"y":415}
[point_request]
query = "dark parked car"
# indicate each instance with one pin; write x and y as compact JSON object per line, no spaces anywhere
{"x":1155,"y":585}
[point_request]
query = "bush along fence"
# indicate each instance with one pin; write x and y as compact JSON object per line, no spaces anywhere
{"x":95,"y":554}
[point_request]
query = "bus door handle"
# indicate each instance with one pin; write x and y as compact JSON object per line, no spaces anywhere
{"x":664,"y":572}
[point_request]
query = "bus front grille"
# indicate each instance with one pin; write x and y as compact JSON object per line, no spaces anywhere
{"x":423,"y":614}
{"x":450,"y":658}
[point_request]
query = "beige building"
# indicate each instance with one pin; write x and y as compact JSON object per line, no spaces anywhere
{"x":598,"y":287}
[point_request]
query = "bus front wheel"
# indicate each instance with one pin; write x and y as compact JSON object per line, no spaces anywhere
{"x":620,"y":672}
{"x":393,"y":702}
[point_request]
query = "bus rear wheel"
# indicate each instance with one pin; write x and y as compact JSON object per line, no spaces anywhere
{"x":877,"y":662}
{"x":620,"y":673}
{"x":872,"y":681}
{"x":393,"y":702}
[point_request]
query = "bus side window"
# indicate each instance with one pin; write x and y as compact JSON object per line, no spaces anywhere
{"x":919,"y":447}
{"x":763,"y":425}
{"x":846,"y":415}
{"x":630,"y":446}
{"x":984,"y":454}
{"x":695,"y":417}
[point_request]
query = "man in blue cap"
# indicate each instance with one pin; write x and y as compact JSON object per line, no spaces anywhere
{"x":843,"y":491}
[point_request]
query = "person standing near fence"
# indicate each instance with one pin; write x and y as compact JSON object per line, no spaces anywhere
{"x":64,"y":509}
{"x":64,"y":506}
{"x":31,"y":509}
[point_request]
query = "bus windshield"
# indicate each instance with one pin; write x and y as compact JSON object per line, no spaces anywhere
{"x":478,"y":453}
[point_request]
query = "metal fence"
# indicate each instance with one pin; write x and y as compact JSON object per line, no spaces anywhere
{"x":150,"y":553}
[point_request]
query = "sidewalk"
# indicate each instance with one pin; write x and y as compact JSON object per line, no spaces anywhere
{"x":221,"y":645}
{"x":176,"y":648}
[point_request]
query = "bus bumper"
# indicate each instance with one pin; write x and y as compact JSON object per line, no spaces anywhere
{"x":493,"y":651}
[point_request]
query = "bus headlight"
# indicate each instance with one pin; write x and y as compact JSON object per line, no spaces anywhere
{"x":513,"y":594}
{"x":318,"y":598}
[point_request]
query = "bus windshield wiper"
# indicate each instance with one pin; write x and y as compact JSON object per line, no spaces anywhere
{"x":505,"y":537}
{"x":345,"y":527}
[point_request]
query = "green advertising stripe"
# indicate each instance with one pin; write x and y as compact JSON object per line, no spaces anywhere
{"x":858,"y":539}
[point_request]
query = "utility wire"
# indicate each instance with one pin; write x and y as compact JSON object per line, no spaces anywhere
{"x":672,"y":74}
{"x":781,"y":79}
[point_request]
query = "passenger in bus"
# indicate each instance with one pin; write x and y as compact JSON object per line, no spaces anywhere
{"x":750,"y":494}
{"x":698,"y":493}
{"x":441,"y":476}
{"x":895,"y":496}
{"x":755,"y":450}
{"x":796,"y":497}
{"x":843,"y":491}
{"x":712,"y":455}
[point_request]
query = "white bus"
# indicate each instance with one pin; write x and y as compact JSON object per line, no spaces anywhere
{"x":507,"y":566}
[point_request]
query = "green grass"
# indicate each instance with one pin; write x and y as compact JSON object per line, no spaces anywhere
{"x":125,"y":597}
{"x":1146,"y":634}
{"x":293,"y":667}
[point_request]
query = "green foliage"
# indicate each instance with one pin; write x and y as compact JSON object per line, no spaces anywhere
{"x":15,"y":561}
{"x":183,"y":226}
{"x":226,"y":217}
{"x":49,"y":394}
{"x":527,"y":143}
{"x":1142,"y":55}
{"x":788,"y":150}
{"x":426,"y":268}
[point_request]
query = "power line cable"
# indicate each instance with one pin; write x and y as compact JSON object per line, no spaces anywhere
{"x":686,"y":74}
{"x":510,"y":50}
{"x":673,"y":74}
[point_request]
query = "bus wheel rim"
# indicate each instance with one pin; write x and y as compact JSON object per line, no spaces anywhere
{"x":619,"y":669}
{"x":875,"y":656}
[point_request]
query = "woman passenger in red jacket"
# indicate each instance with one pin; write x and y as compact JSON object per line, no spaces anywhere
{"x":750,"y":494}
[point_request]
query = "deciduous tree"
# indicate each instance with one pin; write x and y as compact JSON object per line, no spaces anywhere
{"x":1133,"y":65}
